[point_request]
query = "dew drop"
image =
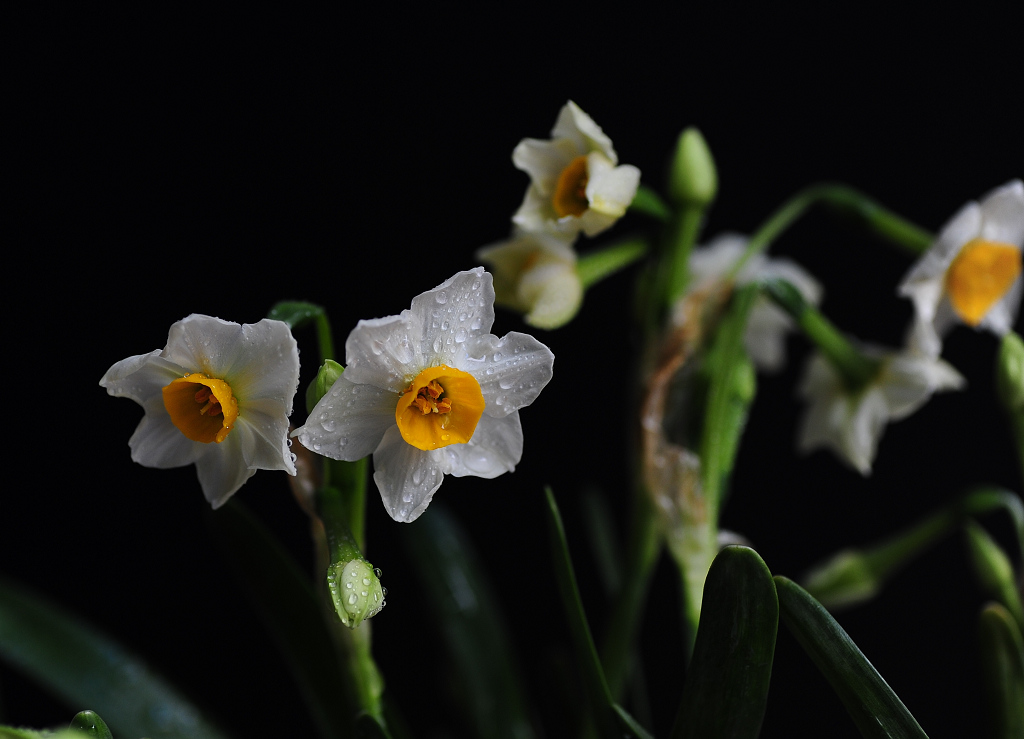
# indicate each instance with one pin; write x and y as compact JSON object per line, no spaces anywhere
{"x":366,"y":581}
{"x":417,"y":477}
{"x":437,"y":344}
{"x":348,"y":585}
{"x":477,"y":323}
{"x":441,"y":297}
{"x":377,"y":572}
{"x":353,"y":598}
{"x":445,"y":324}
{"x":505,"y":383}
{"x":289,"y":442}
{"x":460,"y":335}
{"x":329,"y":425}
{"x":497,"y":356}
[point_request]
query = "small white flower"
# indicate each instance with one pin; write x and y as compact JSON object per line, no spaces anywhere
{"x":430,"y":392}
{"x":972,"y":273}
{"x":851,"y":424}
{"x":575,"y":183}
{"x":765,"y":337}
{"x":217,"y":396}
{"x":535,"y":274}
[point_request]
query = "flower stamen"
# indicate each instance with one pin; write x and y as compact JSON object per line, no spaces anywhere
{"x":441,"y":406}
{"x":980,"y":276}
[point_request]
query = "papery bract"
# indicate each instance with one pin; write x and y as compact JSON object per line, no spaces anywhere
{"x":850,"y":423}
{"x":765,"y":336}
{"x":972,"y":272}
{"x":217,"y":396}
{"x":430,"y":392}
{"x":576,"y":183}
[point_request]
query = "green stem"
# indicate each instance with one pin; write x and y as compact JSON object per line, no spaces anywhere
{"x":594,"y":267}
{"x":882,"y":221}
{"x":323,"y":337}
{"x":680,"y":237}
{"x":649,"y":203}
{"x":856,"y":369}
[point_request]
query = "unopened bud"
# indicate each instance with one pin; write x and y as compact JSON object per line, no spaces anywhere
{"x":356,"y":591}
{"x":325,"y":378}
{"x":693,"y":179}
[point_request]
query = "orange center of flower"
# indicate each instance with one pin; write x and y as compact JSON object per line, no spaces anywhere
{"x":979,"y":276}
{"x":201,"y":407}
{"x":570,"y":197}
{"x":442,"y":406}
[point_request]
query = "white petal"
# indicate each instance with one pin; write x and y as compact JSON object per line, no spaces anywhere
{"x":862,"y":429}
{"x":1003,"y":214}
{"x":385,"y":352}
{"x":924,"y":282}
{"x":577,"y":126}
{"x":544,"y":161}
{"x":765,"y":335}
{"x":496,"y":448}
{"x":223,"y":470}
{"x":717,"y":258}
{"x":266,"y":365}
{"x":407,"y":477}
{"x":349,"y":421}
{"x":204,"y":344}
{"x":552,"y":294}
{"x":1001,"y":316}
{"x":907,"y":381}
{"x":509,"y":261}
{"x":458,"y":310}
{"x":141,"y":377}
{"x":511,"y":371}
{"x":610,"y":189}
{"x":157,"y":442}
{"x":267,"y":422}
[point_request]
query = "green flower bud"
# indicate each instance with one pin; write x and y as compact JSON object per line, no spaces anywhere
{"x":356,"y":591}
{"x":843,"y":580}
{"x":90,"y":725}
{"x":993,"y":568}
{"x":693,"y":179}
{"x":1010,"y":373}
{"x":329,"y":372}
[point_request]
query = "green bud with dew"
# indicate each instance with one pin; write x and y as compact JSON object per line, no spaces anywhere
{"x":325,"y":378}
{"x":355,"y":591}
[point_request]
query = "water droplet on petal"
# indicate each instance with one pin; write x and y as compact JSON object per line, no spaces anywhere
{"x":441,"y":297}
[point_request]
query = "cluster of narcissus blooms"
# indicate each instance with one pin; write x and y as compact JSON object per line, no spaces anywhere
{"x":428,"y":392}
{"x":971,"y":274}
{"x":576,"y":184}
{"x":431,"y":392}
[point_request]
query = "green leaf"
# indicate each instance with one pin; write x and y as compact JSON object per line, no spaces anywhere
{"x":90,"y":724}
{"x":597,"y":265}
{"x":1002,"y":653}
{"x":85,"y":667}
{"x":285,"y":601}
{"x":727,"y":681}
{"x":465,"y":608}
{"x":874,"y":707}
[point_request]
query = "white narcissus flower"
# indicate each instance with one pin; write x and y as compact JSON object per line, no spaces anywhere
{"x":765,"y":336}
{"x":430,"y":392}
{"x":576,"y":180}
{"x":972,"y":272}
{"x":535,"y":274}
{"x":217,"y":396}
{"x":851,"y":424}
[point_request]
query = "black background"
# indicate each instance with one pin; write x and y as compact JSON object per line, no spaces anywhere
{"x":188,"y":163}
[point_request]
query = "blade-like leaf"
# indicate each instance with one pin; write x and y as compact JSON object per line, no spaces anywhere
{"x":285,"y":600}
{"x":875,"y":708}
{"x":86,"y":667}
{"x":467,"y":612}
{"x":727,"y":682}
{"x":1002,"y":652}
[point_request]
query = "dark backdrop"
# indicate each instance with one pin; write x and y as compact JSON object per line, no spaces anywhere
{"x":185,"y":163}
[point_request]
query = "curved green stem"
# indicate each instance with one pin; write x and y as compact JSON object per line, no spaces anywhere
{"x":882,"y":221}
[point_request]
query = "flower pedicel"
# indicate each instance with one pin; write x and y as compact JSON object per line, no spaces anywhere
{"x":430,"y":392}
